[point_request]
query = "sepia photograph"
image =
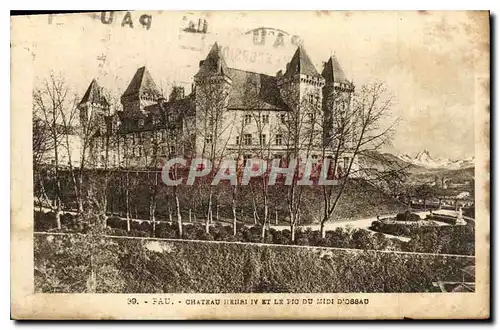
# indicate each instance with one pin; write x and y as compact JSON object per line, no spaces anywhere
{"x":259,"y":164}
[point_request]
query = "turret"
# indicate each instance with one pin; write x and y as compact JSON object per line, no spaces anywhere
{"x":213,"y":69}
{"x":337,"y":92}
{"x":212,"y":88}
{"x":94,"y":106}
{"x":140,"y":93}
{"x":301,"y":81}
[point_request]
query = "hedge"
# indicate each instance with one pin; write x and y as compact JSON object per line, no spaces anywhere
{"x":151,"y":266}
{"x":421,"y":237}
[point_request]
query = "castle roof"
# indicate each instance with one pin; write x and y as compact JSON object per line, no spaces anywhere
{"x":165,"y":114}
{"x":214,"y":63}
{"x":254,"y":91}
{"x":142,"y":83}
{"x":332,"y":72}
{"x":94,"y":94}
{"x":301,"y":64}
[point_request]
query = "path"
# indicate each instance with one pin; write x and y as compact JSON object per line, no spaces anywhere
{"x":361,"y":223}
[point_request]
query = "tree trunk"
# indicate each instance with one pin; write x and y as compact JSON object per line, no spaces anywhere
{"x":266,"y":213}
{"x":276,"y":220}
{"x":127,"y":202}
{"x":233,"y":207}
{"x":190,"y":215}
{"x":292,"y":230}
{"x":58,"y":215}
{"x":263,"y":231}
{"x":179,"y":216}
{"x":322,"y":229}
{"x":209,"y":213}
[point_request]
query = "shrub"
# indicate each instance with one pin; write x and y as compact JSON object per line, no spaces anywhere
{"x":252,"y":234}
{"x":44,"y":221}
{"x":116,"y":222}
{"x":146,"y":227}
{"x":302,"y":237}
{"x":281,"y":236}
{"x":340,"y":237}
{"x":134,"y":225}
{"x":68,"y":220}
{"x":116,"y":232}
{"x":407,"y":216}
{"x":375,"y":226}
{"x":362,"y":239}
{"x":167,"y":230}
{"x":138,"y":233}
{"x":221,"y":233}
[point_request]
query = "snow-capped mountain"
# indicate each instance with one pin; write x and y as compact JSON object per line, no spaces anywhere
{"x":424,"y":159}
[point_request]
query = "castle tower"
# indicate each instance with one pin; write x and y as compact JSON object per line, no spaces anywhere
{"x":301,"y":82}
{"x":337,"y":92}
{"x":140,"y":93}
{"x":93,"y":107}
{"x":212,"y":88}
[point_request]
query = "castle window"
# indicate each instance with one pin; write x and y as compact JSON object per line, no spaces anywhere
{"x":140,"y":151}
{"x":209,"y":139}
{"x":265,"y":119}
{"x":238,"y":140}
{"x":246,"y":158}
{"x":310,"y":116}
{"x":282,"y":118}
{"x":247,"y":119}
{"x":262,"y":139}
{"x":172,"y":149}
{"x":346,"y":162}
{"x":247,"y":139}
{"x":311,"y":98}
{"x":141,"y":122}
{"x":278,"y":139}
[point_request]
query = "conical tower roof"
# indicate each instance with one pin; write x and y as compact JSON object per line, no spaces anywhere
{"x":301,"y":64}
{"x":94,"y":94}
{"x":142,"y":83}
{"x":214,"y":63}
{"x":332,"y":72}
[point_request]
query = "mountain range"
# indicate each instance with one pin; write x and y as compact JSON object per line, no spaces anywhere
{"x":424,"y":159}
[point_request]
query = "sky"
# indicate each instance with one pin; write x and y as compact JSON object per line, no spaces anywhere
{"x":430,"y":61}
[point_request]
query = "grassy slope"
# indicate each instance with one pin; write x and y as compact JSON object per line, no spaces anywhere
{"x":151,"y":266}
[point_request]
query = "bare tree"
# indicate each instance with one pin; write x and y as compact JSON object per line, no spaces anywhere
{"x":214,"y":128}
{"x":362,"y":128}
{"x":302,"y":136}
{"x":53,"y":111}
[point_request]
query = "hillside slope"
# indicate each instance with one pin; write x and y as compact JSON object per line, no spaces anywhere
{"x":152,"y":266}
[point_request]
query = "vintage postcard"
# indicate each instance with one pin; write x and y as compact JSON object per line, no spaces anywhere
{"x":250,"y":165}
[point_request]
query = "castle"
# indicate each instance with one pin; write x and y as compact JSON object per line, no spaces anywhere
{"x":229,"y":113}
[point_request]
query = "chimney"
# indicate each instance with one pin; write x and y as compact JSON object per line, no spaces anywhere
{"x":177,"y":93}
